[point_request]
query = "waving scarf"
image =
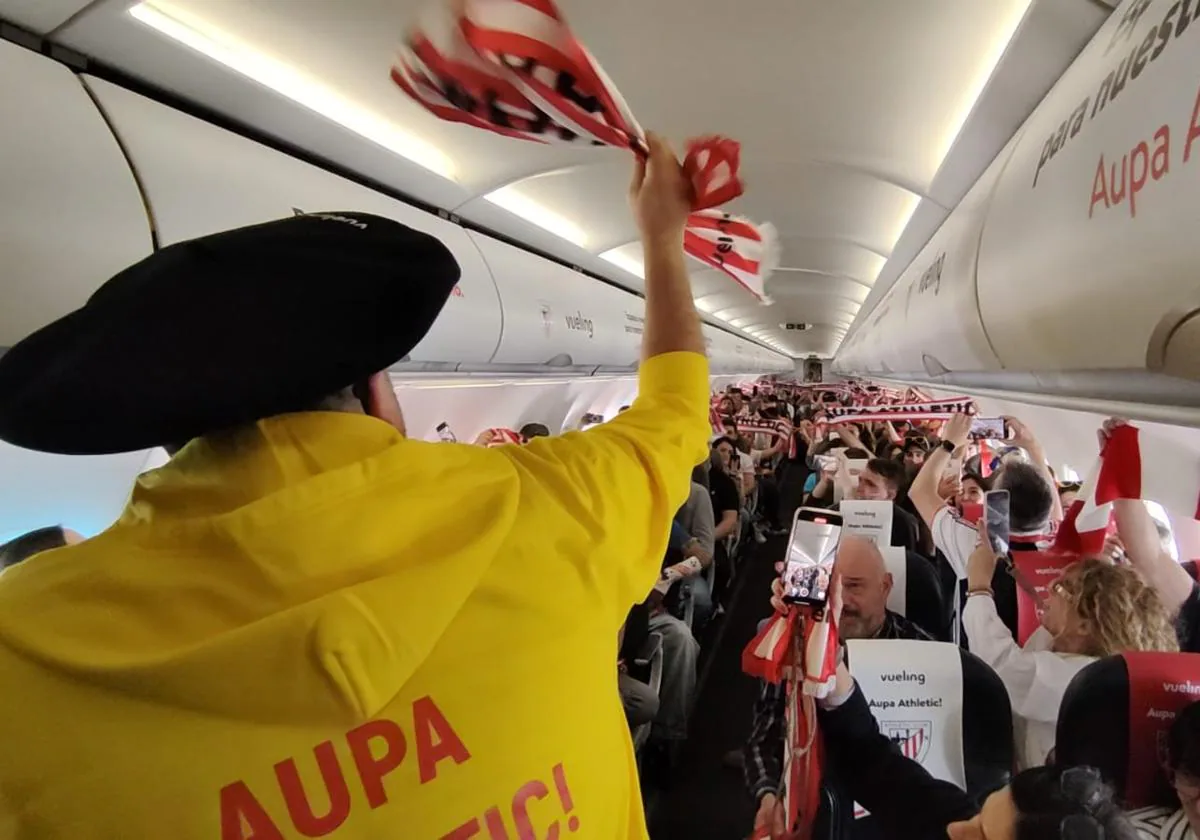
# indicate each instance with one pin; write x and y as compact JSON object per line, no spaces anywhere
{"x":514,"y":67}
{"x":800,"y":648}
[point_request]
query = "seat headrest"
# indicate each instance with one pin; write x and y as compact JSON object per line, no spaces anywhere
{"x":1115,"y":716}
{"x":1034,"y":571}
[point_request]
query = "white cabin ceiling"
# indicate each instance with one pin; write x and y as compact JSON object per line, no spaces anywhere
{"x":862,"y":122}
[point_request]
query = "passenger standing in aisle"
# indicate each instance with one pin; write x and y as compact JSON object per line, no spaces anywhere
{"x":307,"y":624}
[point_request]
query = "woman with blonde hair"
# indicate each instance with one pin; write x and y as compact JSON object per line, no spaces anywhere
{"x":1093,"y":609}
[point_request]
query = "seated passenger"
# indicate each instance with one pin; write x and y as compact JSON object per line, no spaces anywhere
{"x":696,"y":517}
{"x":880,"y":481}
{"x":639,"y":700}
{"x":308,"y":624}
{"x":21,"y":548}
{"x":865,"y":588}
{"x":1042,"y":803}
{"x":1181,"y":762}
{"x":1094,"y":609}
{"x":1032,"y":507}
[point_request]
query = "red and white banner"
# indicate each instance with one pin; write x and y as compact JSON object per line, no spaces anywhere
{"x":931,"y":410}
{"x":1120,"y":473}
{"x":514,"y":67}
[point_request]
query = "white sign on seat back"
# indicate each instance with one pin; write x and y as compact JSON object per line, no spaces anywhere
{"x":199,"y":179}
{"x":915,"y":691}
{"x":870,"y":519}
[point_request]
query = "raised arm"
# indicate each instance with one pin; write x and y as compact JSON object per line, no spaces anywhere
{"x":924,"y":491}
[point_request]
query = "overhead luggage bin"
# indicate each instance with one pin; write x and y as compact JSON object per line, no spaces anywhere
{"x":557,"y":317}
{"x":71,"y":215}
{"x":928,"y":325}
{"x":1083,"y":283}
{"x":199,"y":179}
{"x":1088,"y":262}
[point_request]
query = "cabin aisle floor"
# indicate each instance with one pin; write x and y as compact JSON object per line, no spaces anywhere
{"x":708,"y":800}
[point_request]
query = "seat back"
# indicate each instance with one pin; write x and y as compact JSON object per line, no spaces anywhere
{"x":916,"y":591}
{"x":942,"y":706}
{"x":1033,"y":572}
{"x":1115,"y":716}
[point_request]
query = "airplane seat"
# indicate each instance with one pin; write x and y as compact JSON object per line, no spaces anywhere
{"x":1115,"y":716}
{"x":943,"y":707}
{"x":648,"y":668}
{"x":916,"y":591}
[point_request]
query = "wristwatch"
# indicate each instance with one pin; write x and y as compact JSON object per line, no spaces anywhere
{"x":949,"y":446}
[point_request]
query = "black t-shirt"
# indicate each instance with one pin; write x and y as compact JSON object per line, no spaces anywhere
{"x":723,"y":493}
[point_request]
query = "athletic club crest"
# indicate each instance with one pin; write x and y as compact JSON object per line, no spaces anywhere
{"x":911,"y":736}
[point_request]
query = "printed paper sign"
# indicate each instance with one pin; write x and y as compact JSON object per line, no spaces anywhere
{"x":869,"y":519}
{"x":915,"y":691}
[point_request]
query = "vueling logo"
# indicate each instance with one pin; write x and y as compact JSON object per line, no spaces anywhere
{"x":580,"y":324}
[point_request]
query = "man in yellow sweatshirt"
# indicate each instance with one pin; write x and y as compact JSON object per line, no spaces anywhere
{"x":307,"y":625}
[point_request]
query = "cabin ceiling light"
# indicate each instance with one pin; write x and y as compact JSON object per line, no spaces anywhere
{"x":290,"y":82}
{"x":519,"y":204}
{"x":991,"y":56}
{"x":622,"y":260}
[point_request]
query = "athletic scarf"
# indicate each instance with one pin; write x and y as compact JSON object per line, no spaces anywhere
{"x":925,"y":410}
{"x":801,"y":648}
{"x":1121,"y":473}
{"x":504,"y":437}
{"x":776,"y":428}
{"x":514,"y":67}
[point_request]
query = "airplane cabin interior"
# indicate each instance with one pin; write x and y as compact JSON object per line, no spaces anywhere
{"x":907,"y":218}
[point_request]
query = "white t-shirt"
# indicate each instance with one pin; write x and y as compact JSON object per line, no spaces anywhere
{"x":1036,"y":678}
{"x":955,"y":538}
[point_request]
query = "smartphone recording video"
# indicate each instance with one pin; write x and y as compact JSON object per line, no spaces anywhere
{"x":998,"y":529}
{"x":812,"y":548}
{"x":826,"y":463}
{"x":987,"y":428}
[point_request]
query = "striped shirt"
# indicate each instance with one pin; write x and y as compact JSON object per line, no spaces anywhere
{"x":1157,"y":823}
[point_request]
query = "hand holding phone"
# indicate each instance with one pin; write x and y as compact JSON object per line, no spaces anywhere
{"x":988,"y":428}
{"x":997,"y":528}
{"x":811,"y":551}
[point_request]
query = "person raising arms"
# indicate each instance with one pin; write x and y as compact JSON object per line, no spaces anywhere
{"x":307,"y":623}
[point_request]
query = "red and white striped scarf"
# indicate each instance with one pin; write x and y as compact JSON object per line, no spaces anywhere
{"x":925,"y":410}
{"x":802,"y":648}
{"x":1121,"y":473}
{"x":503,"y":437}
{"x":778,"y":429}
{"x":514,"y":67}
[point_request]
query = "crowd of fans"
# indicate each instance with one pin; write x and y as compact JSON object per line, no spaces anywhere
{"x":773,"y":450}
{"x":1134,"y":596}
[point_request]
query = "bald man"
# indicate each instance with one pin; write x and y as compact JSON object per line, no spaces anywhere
{"x":866,"y":583}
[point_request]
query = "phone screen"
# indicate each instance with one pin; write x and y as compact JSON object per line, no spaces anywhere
{"x":988,"y":428}
{"x":998,"y":531}
{"x":812,"y":548}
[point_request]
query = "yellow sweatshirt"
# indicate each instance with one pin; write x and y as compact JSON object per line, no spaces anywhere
{"x":314,"y":627}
